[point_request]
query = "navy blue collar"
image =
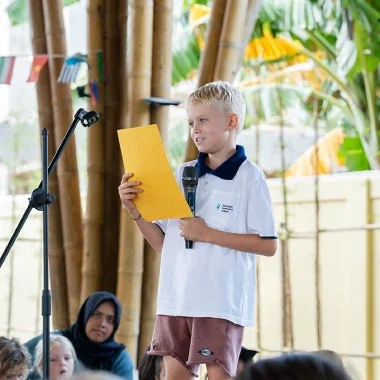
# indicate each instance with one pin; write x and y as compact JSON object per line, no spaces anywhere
{"x":227,"y":170}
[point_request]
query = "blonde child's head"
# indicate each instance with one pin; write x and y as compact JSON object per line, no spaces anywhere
{"x":62,"y":358}
{"x":14,"y":359}
{"x":223,"y":96}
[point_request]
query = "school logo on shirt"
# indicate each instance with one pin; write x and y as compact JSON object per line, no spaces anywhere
{"x":205,"y":352}
{"x":224,"y":208}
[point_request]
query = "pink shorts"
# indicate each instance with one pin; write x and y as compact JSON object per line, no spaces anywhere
{"x":194,"y":341}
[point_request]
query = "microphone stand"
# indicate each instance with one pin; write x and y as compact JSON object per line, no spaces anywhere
{"x":40,"y":200}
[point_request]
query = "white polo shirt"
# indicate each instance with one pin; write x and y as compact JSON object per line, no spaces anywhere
{"x":210,"y":280}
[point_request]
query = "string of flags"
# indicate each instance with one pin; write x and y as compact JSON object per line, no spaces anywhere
{"x":74,"y":70}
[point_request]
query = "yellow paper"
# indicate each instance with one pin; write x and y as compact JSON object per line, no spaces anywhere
{"x":144,"y":155}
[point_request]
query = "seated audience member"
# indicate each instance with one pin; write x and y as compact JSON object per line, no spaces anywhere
{"x":92,"y":336}
{"x":294,"y":367}
{"x":14,"y":359}
{"x":151,"y":367}
{"x":330,"y":355}
{"x":62,"y":358}
{"x":245,"y":358}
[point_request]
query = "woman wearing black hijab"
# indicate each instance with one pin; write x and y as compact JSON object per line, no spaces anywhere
{"x":92,"y":336}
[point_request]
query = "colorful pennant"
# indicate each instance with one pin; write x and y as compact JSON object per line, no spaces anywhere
{"x":71,"y":68}
{"x":6,"y":69}
{"x":37,"y":65}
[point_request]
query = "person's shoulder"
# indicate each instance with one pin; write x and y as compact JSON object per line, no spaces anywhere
{"x":179,"y":168}
{"x":178,"y":171}
{"x":124,"y":360}
{"x":252,"y":171}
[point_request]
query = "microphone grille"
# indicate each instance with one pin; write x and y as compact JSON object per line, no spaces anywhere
{"x":189,"y":176}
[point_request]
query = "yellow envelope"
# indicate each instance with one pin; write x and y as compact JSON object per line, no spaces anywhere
{"x":144,"y":155}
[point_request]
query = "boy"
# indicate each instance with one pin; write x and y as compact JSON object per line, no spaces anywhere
{"x":206,"y":294}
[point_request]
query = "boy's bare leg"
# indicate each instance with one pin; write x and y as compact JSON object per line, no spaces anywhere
{"x":174,"y":370}
{"x":215,"y":372}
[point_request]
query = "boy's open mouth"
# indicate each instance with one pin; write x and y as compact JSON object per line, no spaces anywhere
{"x":200,"y":139}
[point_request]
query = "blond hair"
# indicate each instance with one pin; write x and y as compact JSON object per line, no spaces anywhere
{"x":55,"y":340}
{"x":223,"y":96}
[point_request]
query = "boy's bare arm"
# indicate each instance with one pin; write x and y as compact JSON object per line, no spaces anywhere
{"x":196,"y":229}
{"x":151,"y":232}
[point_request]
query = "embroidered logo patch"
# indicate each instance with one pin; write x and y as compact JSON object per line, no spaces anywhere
{"x":224,"y":208}
{"x":205,"y":352}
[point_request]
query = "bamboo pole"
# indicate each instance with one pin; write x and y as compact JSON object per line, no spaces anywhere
{"x":231,"y":41}
{"x":131,"y":242}
{"x":114,"y":66}
{"x":68,"y":181}
{"x":253,"y":10}
{"x":161,"y":84}
{"x":46,"y":120}
{"x":317,"y":262}
{"x":208,"y":60}
{"x":287,"y":318}
{"x":93,"y":237}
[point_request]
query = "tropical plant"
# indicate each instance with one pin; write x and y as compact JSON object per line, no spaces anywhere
{"x":305,"y":49}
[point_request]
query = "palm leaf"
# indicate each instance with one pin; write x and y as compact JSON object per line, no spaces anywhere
{"x":262,"y":99}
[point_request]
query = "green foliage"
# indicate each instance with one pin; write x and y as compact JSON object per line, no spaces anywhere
{"x":186,"y":56}
{"x":187,"y":4}
{"x":18,"y":11}
{"x":263,"y":101}
{"x":353,"y":153}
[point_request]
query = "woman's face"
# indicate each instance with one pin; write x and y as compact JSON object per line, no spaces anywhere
{"x":101,"y":324}
{"x":61,"y":362}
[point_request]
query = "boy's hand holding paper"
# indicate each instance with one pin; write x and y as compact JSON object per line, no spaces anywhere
{"x":144,"y":155}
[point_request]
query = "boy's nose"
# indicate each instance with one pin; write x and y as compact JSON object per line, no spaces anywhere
{"x":196,"y":128}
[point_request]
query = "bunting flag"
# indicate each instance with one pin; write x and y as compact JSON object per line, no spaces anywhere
{"x":74,"y":69}
{"x":94,"y":91}
{"x":6,"y":69}
{"x":71,"y":68}
{"x":37,"y":65}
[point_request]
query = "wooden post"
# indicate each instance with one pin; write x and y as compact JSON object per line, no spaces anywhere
{"x":46,"y":120}
{"x":161,"y":84}
{"x":115,"y":112}
{"x":131,"y":247}
{"x":94,"y":225}
{"x":231,"y":41}
{"x":67,"y":168}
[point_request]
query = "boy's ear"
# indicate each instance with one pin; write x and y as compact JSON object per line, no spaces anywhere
{"x":233,"y":121}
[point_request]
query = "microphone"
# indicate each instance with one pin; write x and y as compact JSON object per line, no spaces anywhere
{"x":189,"y":183}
